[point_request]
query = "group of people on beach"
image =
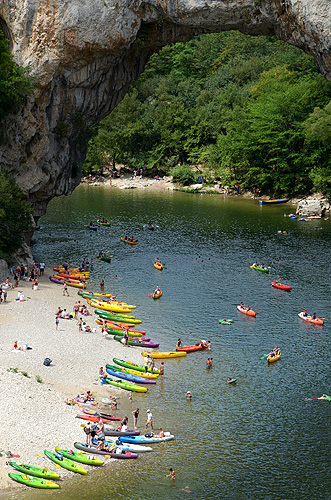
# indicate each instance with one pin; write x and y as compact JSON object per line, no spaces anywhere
{"x":22,"y":273}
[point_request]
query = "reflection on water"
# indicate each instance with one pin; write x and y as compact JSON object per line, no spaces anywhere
{"x":259,"y":438}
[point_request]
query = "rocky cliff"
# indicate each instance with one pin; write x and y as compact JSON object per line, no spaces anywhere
{"x":84,"y":55}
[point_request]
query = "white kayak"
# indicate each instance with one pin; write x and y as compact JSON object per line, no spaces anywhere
{"x":134,"y":448}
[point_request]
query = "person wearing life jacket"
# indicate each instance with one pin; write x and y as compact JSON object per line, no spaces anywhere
{"x":314,"y":316}
{"x":305,"y":313}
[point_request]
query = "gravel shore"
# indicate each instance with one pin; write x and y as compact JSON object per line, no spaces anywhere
{"x":33,"y":411}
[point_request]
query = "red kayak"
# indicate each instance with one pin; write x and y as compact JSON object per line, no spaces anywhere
{"x":280,"y":286}
{"x":95,"y":418}
{"x":191,"y":348}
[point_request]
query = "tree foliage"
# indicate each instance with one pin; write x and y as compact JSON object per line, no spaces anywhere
{"x":252,"y":110}
{"x":15,"y":83}
{"x":15,"y":215}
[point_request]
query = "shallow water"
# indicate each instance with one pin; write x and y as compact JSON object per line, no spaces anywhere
{"x":258,"y":439}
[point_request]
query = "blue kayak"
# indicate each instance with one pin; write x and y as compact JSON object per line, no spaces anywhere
{"x":145,"y":439}
{"x":130,"y":377}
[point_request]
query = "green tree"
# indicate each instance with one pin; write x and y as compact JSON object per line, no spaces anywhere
{"x":15,"y":215}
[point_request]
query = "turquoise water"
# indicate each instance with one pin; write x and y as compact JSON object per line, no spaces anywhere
{"x":258,"y":439}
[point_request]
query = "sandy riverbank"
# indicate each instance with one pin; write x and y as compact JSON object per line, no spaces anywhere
{"x":34,"y":415}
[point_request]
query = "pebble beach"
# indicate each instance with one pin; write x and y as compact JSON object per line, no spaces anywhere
{"x":33,"y":411}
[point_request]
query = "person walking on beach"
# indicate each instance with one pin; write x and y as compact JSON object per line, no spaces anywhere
{"x":42,"y":268}
{"x":135,"y":417}
{"x":65,"y":290}
{"x":57,"y":322}
{"x":149,"y":419}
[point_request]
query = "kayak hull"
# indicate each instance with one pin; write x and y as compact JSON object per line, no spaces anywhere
{"x":137,"y":343}
{"x":35,"y":482}
{"x":129,"y":242}
{"x":273,"y":202}
{"x":281,"y":286}
{"x":309,"y":319}
{"x":79,"y":457}
{"x":145,"y":439}
{"x":164,"y":355}
{"x":95,"y":418}
{"x":158,"y":266}
{"x":92,"y":450}
{"x":129,"y":377}
{"x":149,"y":376}
{"x":273,"y":358}
{"x":133,"y":366}
{"x":157,"y":295}
{"x":65,"y":463}
{"x":31,"y":470}
{"x":260,"y":269}
{"x":244,"y":311}
{"x":125,"y":385}
{"x":190,"y":348}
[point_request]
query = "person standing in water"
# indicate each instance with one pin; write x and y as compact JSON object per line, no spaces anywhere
{"x":135,"y":414}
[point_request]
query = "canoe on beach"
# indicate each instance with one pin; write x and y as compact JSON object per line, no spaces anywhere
{"x":95,"y":418}
{"x":128,"y":376}
{"x":131,"y":333}
{"x":128,"y":386}
{"x":134,"y":448}
{"x":35,"y":482}
{"x":116,"y":433}
{"x":134,"y":366}
{"x":35,"y":471}
{"x":65,"y":463}
{"x":147,"y":375}
{"x":79,"y":457}
{"x":191,"y":348}
{"x":164,"y":355}
{"x":138,"y":342}
{"x":92,"y":450}
{"x":108,"y":306}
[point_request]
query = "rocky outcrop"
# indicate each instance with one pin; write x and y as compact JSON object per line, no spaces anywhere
{"x":312,"y":206}
{"x":84,"y":55}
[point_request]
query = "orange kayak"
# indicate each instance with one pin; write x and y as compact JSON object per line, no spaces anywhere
{"x":113,"y":324}
{"x":249,"y":312}
{"x":316,"y":321}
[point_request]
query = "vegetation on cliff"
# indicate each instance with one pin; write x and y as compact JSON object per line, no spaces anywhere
{"x":15,"y":215}
{"x":252,"y":110}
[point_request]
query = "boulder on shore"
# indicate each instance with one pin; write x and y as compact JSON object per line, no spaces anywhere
{"x":312,"y":206}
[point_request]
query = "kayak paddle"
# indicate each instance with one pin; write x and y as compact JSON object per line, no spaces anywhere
{"x":264,"y":355}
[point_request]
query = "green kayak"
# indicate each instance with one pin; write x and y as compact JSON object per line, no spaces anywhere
{"x":79,"y":457}
{"x":226,"y":321}
{"x":120,"y":318}
{"x":263,"y":270}
{"x":35,"y":471}
{"x":35,"y":482}
{"x":65,"y":462}
{"x":133,"y":366}
{"x":111,"y":314}
{"x":125,"y":385}
{"x":120,"y":333}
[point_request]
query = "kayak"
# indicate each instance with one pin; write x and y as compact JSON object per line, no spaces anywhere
{"x":164,"y":355}
{"x":103,"y":223}
{"x":130,"y":242}
{"x":91,"y":227}
{"x":158,"y":266}
{"x":56,"y":280}
{"x":149,"y":376}
{"x":244,"y":311}
{"x":135,"y":338}
{"x":79,"y":457}
{"x":65,"y":462}
{"x":132,"y":333}
{"x":191,"y":348}
{"x":138,"y":342}
{"x":232,"y":381}
{"x":121,"y":319}
{"x":105,"y":259}
{"x":92,"y":450}
{"x":95,"y":418}
{"x":263,"y":270}
{"x":115,"y":326}
{"x":134,"y":448}
{"x":116,"y":432}
{"x":129,"y":376}
{"x":157,"y":295}
{"x":125,"y":385}
{"x":35,"y":482}
{"x":35,"y":471}
{"x":272,"y":202}
{"x":316,"y":321}
{"x":113,"y":315}
{"x":76,"y":277}
{"x":281,"y":286}
{"x":75,"y":285}
{"x":91,"y":411}
{"x":272,"y":359}
{"x":146,"y":439}
{"x":134,"y":366}
{"x":99,"y":295}
{"x":107,"y":320}
{"x":226,"y":321}
{"x":107,"y":306}
{"x":120,"y":328}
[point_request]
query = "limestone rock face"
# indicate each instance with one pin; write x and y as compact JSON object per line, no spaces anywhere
{"x":84,"y":55}
{"x":312,"y":206}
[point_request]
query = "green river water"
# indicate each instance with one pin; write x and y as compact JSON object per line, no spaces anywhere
{"x":258,"y":439}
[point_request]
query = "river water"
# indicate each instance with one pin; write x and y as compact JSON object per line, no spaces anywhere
{"x":258,"y":439}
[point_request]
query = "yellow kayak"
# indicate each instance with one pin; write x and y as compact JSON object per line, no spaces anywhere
{"x":113,"y":302}
{"x":158,"y":266}
{"x":140,"y":374}
{"x":109,"y":307}
{"x":159,"y":355}
{"x":76,"y":285}
{"x":273,"y":358}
